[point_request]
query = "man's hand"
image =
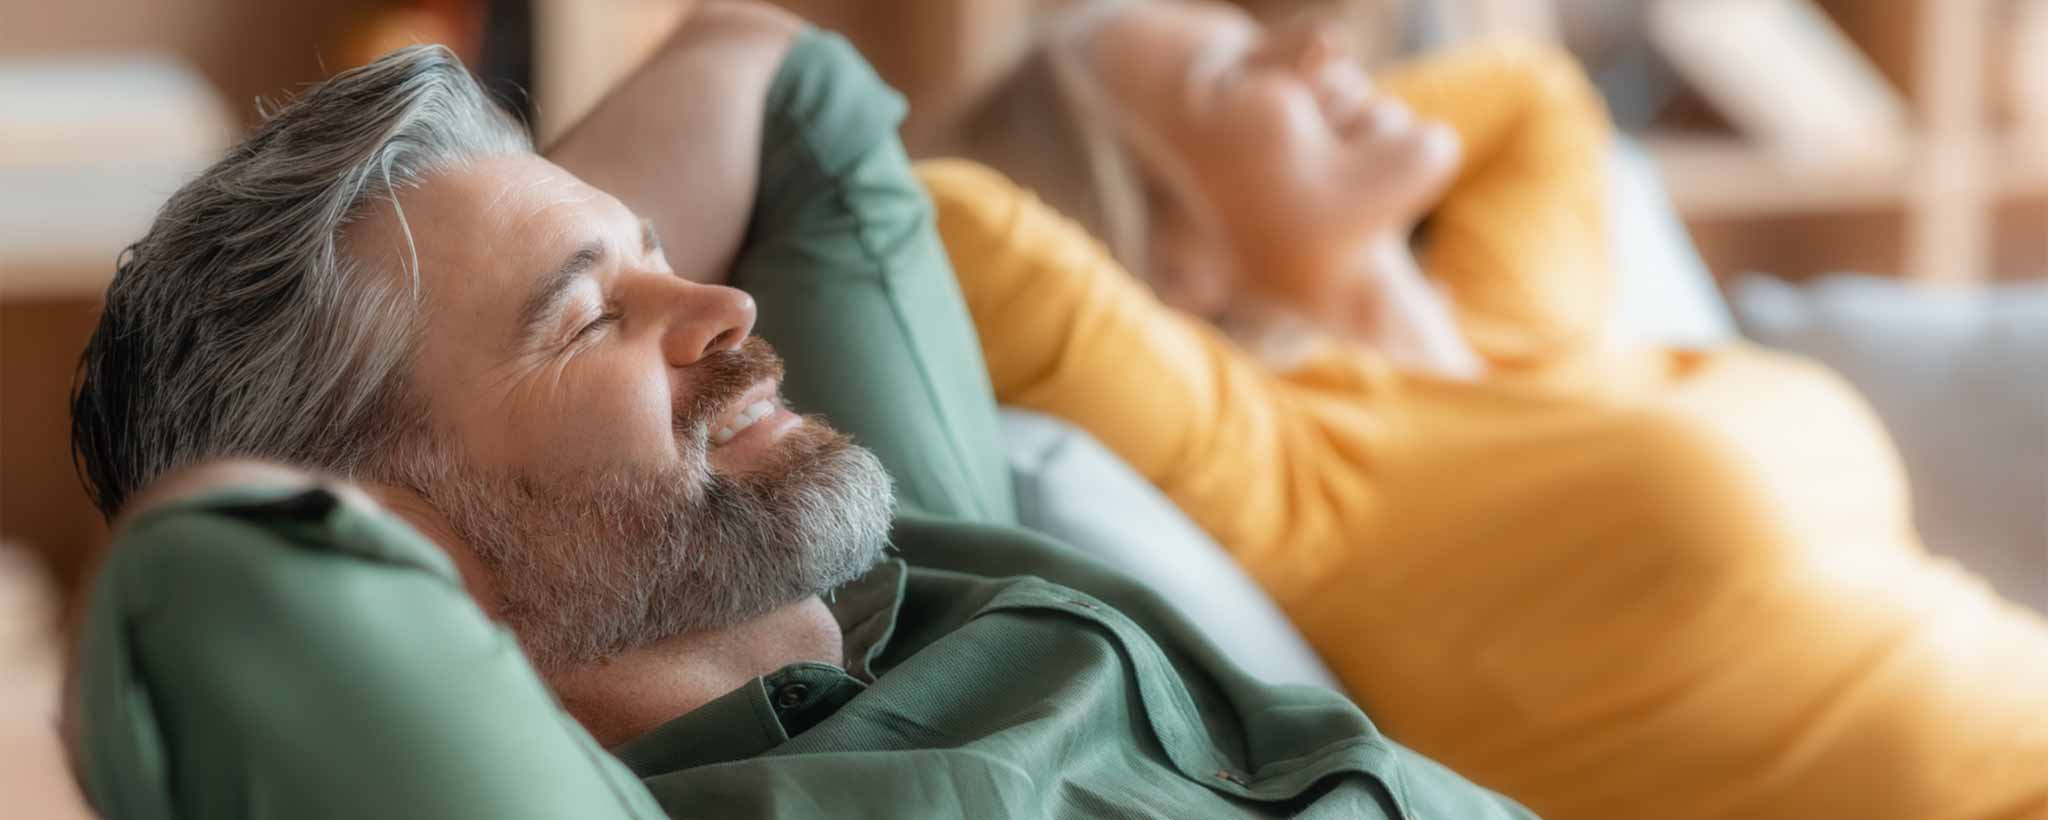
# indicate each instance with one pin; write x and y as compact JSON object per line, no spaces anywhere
{"x":200,"y":479}
{"x":680,"y":140}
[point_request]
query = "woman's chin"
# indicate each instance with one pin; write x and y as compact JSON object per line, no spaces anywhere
{"x":1402,"y":179}
{"x":1437,"y":145}
{"x":1427,"y":161}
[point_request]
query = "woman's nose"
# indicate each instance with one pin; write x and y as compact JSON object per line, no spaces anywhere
{"x":706,"y":319}
{"x":1316,"y":43}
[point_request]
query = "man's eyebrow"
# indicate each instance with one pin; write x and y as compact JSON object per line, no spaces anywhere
{"x":552,"y":287}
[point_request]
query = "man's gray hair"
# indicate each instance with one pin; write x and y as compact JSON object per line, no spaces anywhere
{"x":240,"y":325}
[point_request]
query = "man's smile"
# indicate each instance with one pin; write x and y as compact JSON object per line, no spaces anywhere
{"x":750,"y":424}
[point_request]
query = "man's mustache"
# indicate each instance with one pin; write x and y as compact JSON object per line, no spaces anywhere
{"x":718,"y":379}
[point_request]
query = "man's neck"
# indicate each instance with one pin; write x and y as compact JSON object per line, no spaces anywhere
{"x":624,"y":696}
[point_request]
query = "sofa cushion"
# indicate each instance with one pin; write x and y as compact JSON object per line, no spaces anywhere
{"x":1960,"y":377}
{"x":1072,"y":488}
{"x":1663,"y":293}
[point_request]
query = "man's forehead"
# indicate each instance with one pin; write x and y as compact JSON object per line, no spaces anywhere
{"x":502,"y":194}
{"x":498,"y":218}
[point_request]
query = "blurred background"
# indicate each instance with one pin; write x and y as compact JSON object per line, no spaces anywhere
{"x":1863,"y":181}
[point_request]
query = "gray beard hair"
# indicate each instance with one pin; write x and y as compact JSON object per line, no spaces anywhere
{"x":592,"y":563}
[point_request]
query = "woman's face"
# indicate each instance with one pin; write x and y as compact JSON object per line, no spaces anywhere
{"x":1273,"y":138}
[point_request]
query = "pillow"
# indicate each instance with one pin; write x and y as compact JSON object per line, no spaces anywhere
{"x":1960,"y":377}
{"x":1070,"y":487}
{"x":1663,"y":293}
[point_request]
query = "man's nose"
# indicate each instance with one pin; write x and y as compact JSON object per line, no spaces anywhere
{"x":705,"y":320}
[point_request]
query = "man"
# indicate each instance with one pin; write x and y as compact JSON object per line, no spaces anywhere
{"x":535,"y":401}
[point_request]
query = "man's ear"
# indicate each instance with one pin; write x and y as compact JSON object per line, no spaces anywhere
{"x":414,"y":509}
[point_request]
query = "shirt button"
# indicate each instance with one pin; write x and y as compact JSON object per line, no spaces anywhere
{"x":791,"y":696}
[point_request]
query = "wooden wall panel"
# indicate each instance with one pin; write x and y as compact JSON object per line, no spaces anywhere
{"x":42,"y":504}
{"x":246,"y":48}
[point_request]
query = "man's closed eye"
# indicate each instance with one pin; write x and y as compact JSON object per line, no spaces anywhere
{"x":603,"y":321}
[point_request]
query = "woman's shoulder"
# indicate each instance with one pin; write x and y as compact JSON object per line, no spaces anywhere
{"x":965,"y":183}
{"x":974,"y":203}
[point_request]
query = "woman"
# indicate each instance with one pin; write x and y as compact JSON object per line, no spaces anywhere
{"x":1589,"y":576}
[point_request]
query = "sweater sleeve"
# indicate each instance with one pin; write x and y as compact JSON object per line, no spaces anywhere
{"x":1266,"y":463}
{"x":1520,"y":240}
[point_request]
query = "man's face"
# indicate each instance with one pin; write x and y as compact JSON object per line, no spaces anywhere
{"x":608,"y":438}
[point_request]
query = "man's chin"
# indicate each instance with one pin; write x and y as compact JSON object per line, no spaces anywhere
{"x":596,"y":562}
{"x":811,"y":485}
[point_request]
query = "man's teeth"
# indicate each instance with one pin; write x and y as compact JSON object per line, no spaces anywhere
{"x":753,"y":413}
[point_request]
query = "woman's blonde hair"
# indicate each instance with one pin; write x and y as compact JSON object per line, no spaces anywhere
{"x":1051,"y":128}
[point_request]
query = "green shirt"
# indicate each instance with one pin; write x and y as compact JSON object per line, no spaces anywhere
{"x":264,"y":654}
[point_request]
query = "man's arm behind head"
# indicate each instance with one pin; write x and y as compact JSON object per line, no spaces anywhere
{"x":679,"y":141}
{"x":262,"y":644}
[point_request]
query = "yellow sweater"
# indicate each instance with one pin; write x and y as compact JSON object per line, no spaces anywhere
{"x":1610,"y":584}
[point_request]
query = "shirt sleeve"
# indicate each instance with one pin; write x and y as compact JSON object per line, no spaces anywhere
{"x":1274,"y":466}
{"x":266,"y":655}
{"x":855,"y":290}
{"x":1520,"y":239}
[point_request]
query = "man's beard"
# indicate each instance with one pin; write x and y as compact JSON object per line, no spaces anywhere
{"x":592,"y":562}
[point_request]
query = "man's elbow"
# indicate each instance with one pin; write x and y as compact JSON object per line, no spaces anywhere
{"x":729,"y":20}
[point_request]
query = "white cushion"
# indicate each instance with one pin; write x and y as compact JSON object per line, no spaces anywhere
{"x":1663,"y":294}
{"x":1960,"y":377}
{"x":1072,"y":488}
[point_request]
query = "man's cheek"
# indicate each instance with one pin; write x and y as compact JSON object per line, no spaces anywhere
{"x":608,"y":419}
{"x":634,"y":417}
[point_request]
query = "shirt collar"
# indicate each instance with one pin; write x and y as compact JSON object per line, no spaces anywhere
{"x":744,"y":722}
{"x":866,"y":609}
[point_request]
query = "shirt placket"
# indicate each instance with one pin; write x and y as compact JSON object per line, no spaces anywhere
{"x":805,"y":694}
